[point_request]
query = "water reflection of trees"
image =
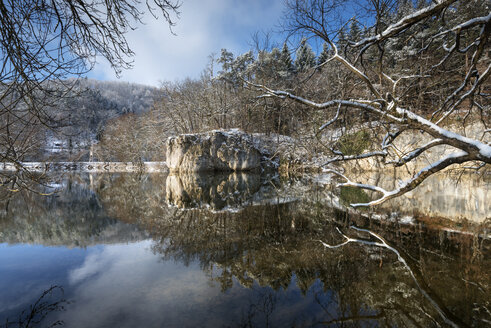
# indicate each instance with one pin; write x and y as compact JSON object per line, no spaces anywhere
{"x":273,"y":244}
{"x":277,"y":244}
{"x":67,"y":213}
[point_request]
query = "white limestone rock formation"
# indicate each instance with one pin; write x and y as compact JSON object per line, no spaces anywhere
{"x":217,"y":150}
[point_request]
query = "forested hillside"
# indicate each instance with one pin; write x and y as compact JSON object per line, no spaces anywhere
{"x":82,"y":118}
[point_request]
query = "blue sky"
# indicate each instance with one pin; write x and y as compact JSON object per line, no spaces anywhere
{"x":204,"y":27}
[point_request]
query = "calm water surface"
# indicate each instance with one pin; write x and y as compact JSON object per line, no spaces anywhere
{"x":129,"y":250}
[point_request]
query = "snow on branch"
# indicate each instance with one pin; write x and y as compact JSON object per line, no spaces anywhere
{"x":468,"y":24}
{"x":457,"y":31}
{"x":357,"y":72}
{"x":415,"y":153}
{"x":479,"y":150}
{"x":334,"y":119}
{"x":342,"y":157}
{"x":385,"y":104}
{"x":396,"y":82}
{"x":405,"y":23}
{"x":390,"y":137}
{"x":327,"y":104}
{"x":468,"y":94}
{"x":358,"y":185}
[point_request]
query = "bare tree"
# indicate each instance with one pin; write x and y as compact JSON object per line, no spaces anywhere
{"x":43,"y":43}
{"x":450,"y":43}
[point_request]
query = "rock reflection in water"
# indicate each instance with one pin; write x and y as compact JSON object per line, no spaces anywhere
{"x":220,"y":191}
{"x":271,"y":244}
{"x":277,"y":245}
{"x":271,"y":253}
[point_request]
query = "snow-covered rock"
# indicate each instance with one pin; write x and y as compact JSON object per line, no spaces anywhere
{"x":217,"y":150}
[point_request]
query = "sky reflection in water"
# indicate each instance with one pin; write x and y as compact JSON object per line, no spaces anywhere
{"x":127,"y":285}
{"x":129,"y":254}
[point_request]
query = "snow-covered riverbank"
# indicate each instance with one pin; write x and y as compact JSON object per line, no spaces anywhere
{"x":88,"y":166}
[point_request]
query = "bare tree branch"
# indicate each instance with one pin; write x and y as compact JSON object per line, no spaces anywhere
{"x":45,"y":45}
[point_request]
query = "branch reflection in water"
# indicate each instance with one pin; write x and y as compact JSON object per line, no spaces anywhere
{"x":260,"y":247}
{"x":51,"y":300}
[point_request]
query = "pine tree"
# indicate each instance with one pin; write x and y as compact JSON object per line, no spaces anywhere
{"x":275,"y":57}
{"x":354,"y":32}
{"x":342,"y":40}
{"x":324,"y":55}
{"x":305,"y":57}
{"x":286,"y":64}
{"x":226,"y":58}
{"x":233,"y":68}
{"x":268,"y":64}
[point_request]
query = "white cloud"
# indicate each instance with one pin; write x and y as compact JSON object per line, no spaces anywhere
{"x":205,"y":27}
{"x":127,"y":286}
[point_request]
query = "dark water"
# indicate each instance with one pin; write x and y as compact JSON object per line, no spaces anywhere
{"x":128,"y":250}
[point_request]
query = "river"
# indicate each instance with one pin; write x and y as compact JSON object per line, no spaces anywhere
{"x":152,"y":250}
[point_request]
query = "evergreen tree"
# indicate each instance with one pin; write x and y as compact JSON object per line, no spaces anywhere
{"x":354,"y":32}
{"x":234,"y":68}
{"x":305,"y":57}
{"x":275,"y":58}
{"x":342,"y":40}
{"x":286,"y":64}
{"x":226,"y":59}
{"x":324,"y":55}
{"x":268,"y":64}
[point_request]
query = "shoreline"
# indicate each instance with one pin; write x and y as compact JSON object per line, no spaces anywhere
{"x":87,"y":166}
{"x":470,"y":194}
{"x":155,"y":166}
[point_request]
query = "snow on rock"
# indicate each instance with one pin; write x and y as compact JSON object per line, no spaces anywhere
{"x":217,"y":150}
